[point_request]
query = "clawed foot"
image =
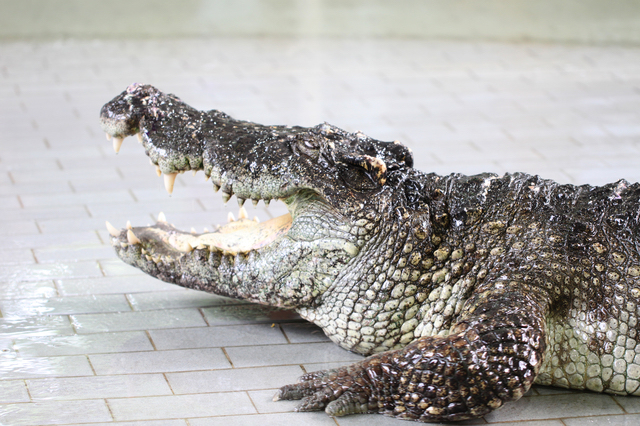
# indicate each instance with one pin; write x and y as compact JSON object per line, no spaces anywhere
{"x":341,"y":391}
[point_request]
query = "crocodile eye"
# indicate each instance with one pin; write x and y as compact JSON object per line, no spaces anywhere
{"x":307,"y":144}
{"x":363,"y":172}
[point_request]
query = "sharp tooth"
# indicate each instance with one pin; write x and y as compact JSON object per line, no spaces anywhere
{"x":169,"y":180}
{"x":206,"y":230}
{"x":108,"y":136}
{"x":206,"y":178}
{"x":193,"y":231}
{"x":255,"y":203}
{"x":131,"y":237}
{"x":242,"y":214}
{"x":194,"y":172}
{"x":117,"y":143}
{"x":225,"y":197}
{"x":112,"y":230}
{"x":158,"y":171}
{"x":266,"y":202}
{"x":162,"y":217}
{"x":240,"y":201}
{"x":231,"y":217}
{"x":139,"y":136}
{"x":255,"y":219}
{"x":129,"y":225}
{"x":216,"y":188}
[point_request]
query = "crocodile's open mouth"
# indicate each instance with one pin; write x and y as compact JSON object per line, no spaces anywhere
{"x":241,"y":235}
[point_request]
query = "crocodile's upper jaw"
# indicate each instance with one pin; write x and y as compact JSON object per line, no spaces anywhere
{"x":337,"y":186}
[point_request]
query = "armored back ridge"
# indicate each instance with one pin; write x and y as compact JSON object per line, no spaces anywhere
{"x":462,"y":291}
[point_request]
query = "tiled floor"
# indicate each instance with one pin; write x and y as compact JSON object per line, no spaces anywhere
{"x":87,"y":339}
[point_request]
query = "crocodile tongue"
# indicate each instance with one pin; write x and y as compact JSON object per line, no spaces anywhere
{"x":240,"y":236}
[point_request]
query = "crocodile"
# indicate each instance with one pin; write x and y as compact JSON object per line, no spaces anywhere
{"x":461,"y":291}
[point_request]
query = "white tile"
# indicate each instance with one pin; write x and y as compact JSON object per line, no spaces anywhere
{"x":122,"y":386}
{"x":181,"y":406}
{"x":54,"y":412}
{"x":159,"y":361}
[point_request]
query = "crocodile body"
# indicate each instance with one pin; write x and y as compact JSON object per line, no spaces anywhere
{"x":462,"y":291}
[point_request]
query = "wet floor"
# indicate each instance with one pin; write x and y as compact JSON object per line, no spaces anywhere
{"x":86,"y":339}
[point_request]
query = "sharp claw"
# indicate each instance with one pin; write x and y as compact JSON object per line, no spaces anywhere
{"x":117,"y":143}
{"x":131,"y":237}
{"x":112,"y":230}
{"x":169,"y":180}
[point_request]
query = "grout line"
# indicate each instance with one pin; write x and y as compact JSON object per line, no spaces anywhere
{"x":153,"y":344}
{"x":166,"y":379}
{"x":282,"y":331}
{"x":106,"y":402}
{"x":618,"y":404}
{"x":252,"y":402}
{"x":224,"y":351}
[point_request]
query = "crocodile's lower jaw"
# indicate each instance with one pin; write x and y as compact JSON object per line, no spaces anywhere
{"x":239,"y":236}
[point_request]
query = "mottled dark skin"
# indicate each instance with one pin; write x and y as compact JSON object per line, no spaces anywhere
{"x":462,"y":290}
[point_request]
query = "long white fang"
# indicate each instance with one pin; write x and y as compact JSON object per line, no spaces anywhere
{"x":117,"y":143}
{"x":231,"y":217}
{"x":162,"y":217}
{"x":169,"y":180}
{"x":112,"y":230}
{"x":242,"y":214}
{"x":131,"y":237}
{"x":108,"y":136}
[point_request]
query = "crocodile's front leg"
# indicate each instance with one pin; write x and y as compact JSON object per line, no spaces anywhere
{"x":492,"y":356}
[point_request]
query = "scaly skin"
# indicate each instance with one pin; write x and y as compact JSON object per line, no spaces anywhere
{"x":462,"y":290}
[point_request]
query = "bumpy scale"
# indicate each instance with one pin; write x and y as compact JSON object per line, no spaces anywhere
{"x":462,"y":291}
